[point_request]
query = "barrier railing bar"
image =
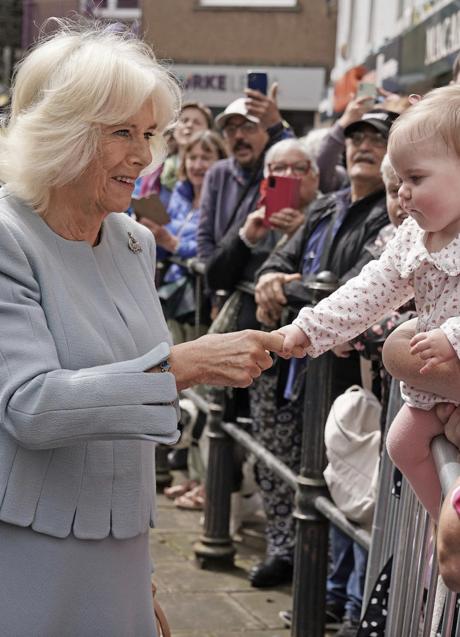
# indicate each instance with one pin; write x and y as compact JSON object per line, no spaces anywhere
{"x":321,"y":504}
{"x":261,"y":453}
{"x":202,"y":404}
{"x":447,"y":460}
{"x":449,"y":611}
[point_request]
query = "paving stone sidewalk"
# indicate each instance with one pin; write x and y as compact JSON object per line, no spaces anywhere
{"x":205,"y":603}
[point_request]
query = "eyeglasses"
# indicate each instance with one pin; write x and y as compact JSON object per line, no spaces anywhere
{"x":246,"y":127}
{"x":376,"y":139}
{"x":299,"y":169}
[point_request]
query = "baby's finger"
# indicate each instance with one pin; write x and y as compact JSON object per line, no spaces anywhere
{"x":419,"y":347}
{"x":417,"y":338}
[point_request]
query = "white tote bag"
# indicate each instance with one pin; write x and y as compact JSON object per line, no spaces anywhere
{"x":352,"y":438}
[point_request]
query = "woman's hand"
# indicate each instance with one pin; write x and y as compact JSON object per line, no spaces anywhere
{"x":269,"y":292}
{"x":254,"y":228}
{"x":288,"y":220}
{"x":232,"y":359}
{"x":264,"y":107}
{"x":163,"y":237}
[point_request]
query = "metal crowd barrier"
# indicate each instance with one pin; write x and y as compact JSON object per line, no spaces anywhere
{"x":418,"y":600}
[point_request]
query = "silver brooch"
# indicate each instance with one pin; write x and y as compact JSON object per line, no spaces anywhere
{"x":133,"y":244}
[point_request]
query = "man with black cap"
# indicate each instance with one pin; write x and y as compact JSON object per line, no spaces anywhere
{"x":250,"y":125}
{"x":340,"y":227}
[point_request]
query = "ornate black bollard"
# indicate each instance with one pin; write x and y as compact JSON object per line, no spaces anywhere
{"x":215,"y":546}
{"x":311,"y":551}
{"x":163,"y":474}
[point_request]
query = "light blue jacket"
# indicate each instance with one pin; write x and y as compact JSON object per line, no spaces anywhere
{"x":79,"y":325}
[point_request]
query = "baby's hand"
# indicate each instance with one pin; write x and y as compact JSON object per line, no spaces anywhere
{"x":295,"y":342}
{"x":433,"y":347}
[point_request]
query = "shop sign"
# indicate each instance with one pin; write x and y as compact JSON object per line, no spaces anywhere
{"x":298,"y":88}
{"x":442,"y":39}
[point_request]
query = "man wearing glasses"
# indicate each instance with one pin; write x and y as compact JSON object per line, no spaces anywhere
{"x":250,"y":125}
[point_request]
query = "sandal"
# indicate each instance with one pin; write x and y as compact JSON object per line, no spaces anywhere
{"x":179,"y":489}
{"x":192,"y":500}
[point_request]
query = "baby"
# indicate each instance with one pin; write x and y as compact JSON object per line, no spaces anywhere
{"x":421,"y":261}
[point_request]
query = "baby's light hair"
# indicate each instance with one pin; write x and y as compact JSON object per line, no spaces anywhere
{"x":435,"y":119}
{"x":71,"y":84}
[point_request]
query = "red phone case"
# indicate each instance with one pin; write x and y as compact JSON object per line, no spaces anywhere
{"x":282,"y":192}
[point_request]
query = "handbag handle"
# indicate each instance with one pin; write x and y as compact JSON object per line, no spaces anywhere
{"x":163,"y":629}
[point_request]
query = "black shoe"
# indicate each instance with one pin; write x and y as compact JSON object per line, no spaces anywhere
{"x":349,"y":628}
{"x":177,"y":459}
{"x":334,"y":616}
{"x":273,"y":571}
{"x":286,"y":617}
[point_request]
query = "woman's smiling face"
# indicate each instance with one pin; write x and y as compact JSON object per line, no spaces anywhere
{"x":108,"y":182}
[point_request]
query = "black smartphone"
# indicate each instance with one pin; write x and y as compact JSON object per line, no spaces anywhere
{"x":257,"y":81}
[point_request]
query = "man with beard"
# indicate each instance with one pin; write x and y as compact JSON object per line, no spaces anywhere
{"x":335,"y":237}
{"x":250,"y":125}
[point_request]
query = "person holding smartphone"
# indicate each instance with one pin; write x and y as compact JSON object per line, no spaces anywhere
{"x":239,"y":255}
{"x":250,"y":125}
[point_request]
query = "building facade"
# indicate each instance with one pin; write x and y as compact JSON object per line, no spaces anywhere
{"x":210,"y":45}
{"x":406,"y":46}
{"x":10,"y":41}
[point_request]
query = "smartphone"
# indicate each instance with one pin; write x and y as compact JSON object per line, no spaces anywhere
{"x":151,"y":208}
{"x":257,"y":81}
{"x":367,"y":89}
{"x":282,"y":192}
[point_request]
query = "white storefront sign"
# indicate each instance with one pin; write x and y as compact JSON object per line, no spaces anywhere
{"x":298,"y":88}
{"x":443,"y":38}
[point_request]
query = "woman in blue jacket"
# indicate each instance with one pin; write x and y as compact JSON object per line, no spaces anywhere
{"x":178,"y":237}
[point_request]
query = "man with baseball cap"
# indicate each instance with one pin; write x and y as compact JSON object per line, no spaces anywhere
{"x":250,"y":125}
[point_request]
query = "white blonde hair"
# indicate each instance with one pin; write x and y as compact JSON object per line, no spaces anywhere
{"x":71,"y":84}
{"x":434,"y":120}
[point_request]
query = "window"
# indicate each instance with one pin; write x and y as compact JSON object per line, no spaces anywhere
{"x":123,"y":9}
{"x":249,"y":3}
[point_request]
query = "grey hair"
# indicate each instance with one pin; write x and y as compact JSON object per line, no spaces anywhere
{"x":286,"y":145}
{"x":387,"y":171}
{"x":71,"y":84}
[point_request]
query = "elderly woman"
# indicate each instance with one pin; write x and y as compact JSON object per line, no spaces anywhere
{"x":276,"y":423}
{"x":88,"y":377}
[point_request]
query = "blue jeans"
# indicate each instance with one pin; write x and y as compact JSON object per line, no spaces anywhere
{"x":345,"y":582}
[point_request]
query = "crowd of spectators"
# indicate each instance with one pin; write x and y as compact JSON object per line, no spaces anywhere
{"x":214,"y":184}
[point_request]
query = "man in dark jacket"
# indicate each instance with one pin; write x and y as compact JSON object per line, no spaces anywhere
{"x":231,"y":186}
{"x":334,"y":238}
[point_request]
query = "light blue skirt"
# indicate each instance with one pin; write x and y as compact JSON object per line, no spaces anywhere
{"x":51,"y":587}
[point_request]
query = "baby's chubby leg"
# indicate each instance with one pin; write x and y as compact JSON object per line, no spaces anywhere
{"x":408,"y":444}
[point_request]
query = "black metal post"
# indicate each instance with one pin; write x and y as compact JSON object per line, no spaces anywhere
{"x":162,"y":473}
{"x":215,"y":546}
{"x":311,"y":551}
